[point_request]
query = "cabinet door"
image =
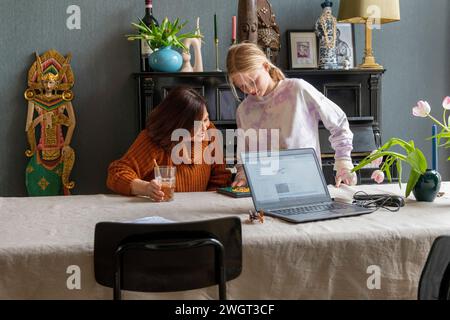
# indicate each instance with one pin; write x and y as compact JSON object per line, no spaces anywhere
{"x":350,"y":92}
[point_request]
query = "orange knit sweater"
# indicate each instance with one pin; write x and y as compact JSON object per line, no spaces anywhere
{"x":137,"y":163}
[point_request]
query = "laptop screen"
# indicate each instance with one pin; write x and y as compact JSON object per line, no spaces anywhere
{"x":284,"y":179}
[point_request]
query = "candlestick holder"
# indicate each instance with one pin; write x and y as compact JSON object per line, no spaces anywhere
{"x":216,"y":43}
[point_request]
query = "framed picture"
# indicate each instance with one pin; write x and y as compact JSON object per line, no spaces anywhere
{"x":302,"y":49}
{"x":345,"y":44}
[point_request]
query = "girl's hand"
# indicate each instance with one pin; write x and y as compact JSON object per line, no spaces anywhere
{"x":347,"y":177}
{"x":344,"y":173}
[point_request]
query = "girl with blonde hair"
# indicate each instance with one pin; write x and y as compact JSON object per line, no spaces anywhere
{"x":293,"y":106}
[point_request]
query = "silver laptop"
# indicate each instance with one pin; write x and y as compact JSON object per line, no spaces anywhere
{"x":290,"y":185}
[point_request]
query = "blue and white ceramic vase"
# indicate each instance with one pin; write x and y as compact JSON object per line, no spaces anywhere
{"x":166,"y":60}
{"x":326,"y":30}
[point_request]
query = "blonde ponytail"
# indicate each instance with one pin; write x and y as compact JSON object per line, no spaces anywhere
{"x":247,"y":57}
{"x":275,"y":73}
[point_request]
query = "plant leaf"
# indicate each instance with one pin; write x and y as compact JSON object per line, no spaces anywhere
{"x":377,"y":155}
{"x":397,"y":142}
{"x":388,"y":173}
{"x":389,"y":165}
{"x":166,"y":34}
{"x":413,"y":178}
{"x":143,"y":24}
{"x":417,"y":161}
{"x":399,"y":171}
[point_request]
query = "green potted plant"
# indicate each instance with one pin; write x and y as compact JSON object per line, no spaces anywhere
{"x":162,"y":39}
{"x":412,"y":156}
{"x":423,"y":182}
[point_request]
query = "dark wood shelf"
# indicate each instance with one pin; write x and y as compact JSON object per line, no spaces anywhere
{"x":360,"y":119}
{"x":179,"y":74}
{"x":287,"y":72}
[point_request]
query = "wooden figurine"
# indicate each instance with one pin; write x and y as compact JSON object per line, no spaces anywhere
{"x":257,"y":24}
{"x":247,"y":21}
{"x":50,"y":125}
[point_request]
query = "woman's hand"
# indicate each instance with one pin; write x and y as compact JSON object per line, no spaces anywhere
{"x":153,"y":190}
{"x":239,"y":183}
{"x":240,"y":180}
{"x":150,"y":189}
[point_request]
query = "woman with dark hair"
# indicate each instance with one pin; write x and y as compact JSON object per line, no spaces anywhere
{"x":133,"y":174}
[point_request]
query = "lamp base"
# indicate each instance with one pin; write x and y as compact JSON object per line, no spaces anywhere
{"x":369,"y":60}
{"x":375,"y":66}
{"x":369,"y":63}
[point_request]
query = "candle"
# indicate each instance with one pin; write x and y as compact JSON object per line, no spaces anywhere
{"x":215,"y":27}
{"x":216,"y":43}
{"x":233,"y":33}
{"x":197,"y":31}
{"x":434,"y":148}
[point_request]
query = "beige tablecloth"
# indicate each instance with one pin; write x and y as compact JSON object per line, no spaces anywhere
{"x":41,"y":237}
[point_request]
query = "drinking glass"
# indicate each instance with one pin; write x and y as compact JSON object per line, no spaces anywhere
{"x":165,"y":176}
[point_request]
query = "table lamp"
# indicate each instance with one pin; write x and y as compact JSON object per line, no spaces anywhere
{"x":369,"y":12}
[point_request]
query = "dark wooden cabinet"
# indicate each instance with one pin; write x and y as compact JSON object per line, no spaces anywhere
{"x":357,"y":92}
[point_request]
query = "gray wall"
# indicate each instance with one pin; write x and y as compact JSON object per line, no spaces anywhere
{"x":414,"y":51}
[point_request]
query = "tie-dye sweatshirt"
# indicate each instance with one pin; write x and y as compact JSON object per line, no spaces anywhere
{"x":295,"y":107}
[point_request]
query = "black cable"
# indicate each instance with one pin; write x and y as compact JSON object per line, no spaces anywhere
{"x":378,"y":201}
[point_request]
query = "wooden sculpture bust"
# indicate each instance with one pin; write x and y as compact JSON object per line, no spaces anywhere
{"x":257,"y":24}
{"x":50,"y":125}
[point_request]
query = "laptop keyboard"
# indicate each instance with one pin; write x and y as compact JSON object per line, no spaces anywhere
{"x":309,"y":209}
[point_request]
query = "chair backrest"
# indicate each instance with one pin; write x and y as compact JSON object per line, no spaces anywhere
{"x":169,"y":270}
{"x":435,"y":279}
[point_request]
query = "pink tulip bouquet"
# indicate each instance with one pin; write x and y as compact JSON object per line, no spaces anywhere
{"x":423,"y":110}
{"x":412,"y":156}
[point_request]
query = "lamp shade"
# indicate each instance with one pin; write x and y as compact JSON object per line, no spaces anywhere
{"x":359,"y":11}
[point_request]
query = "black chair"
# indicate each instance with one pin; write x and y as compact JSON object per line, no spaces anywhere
{"x":168,"y":257}
{"x":434,"y":282}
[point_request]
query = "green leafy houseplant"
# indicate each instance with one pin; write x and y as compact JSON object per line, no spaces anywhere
{"x":413,"y":156}
{"x":164,"y":35}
